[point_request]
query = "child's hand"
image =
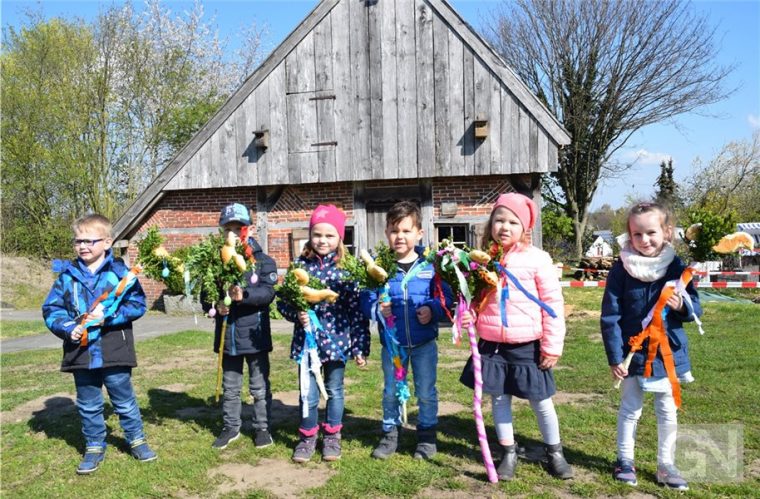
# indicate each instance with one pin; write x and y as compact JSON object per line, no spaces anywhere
{"x":467,"y":319}
{"x":675,"y":302}
{"x":424,"y":314}
{"x":619,"y":371}
{"x":236,"y":293}
{"x":76,"y":334}
{"x":385,"y":308}
{"x":222,"y":309}
{"x":360,"y":361}
{"x":547,"y":361}
{"x":303,"y":318}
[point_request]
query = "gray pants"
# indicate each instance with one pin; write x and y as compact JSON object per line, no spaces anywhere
{"x":258,"y":384}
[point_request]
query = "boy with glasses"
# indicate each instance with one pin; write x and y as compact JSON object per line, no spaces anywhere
{"x":98,"y":348}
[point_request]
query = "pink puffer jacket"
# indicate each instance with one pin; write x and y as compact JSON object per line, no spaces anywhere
{"x":526,"y":320}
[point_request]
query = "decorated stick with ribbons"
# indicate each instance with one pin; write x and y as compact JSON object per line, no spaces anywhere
{"x":466,"y":272}
{"x":107,"y":304}
{"x":380,"y":276}
{"x":302,"y":291}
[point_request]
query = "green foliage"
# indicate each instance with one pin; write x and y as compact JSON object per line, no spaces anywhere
{"x":357,"y":269}
{"x":290,"y":291}
{"x":714,"y":226}
{"x":153,"y":266}
{"x":451,"y":263}
{"x":556,"y":232}
{"x":49,"y":149}
{"x":210,"y":277}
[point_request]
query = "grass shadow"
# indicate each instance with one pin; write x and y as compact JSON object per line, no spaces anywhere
{"x":59,"y":419}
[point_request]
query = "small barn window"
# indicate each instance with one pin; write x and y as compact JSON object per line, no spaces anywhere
{"x":348,"y":240}
{"x":456,"y":233}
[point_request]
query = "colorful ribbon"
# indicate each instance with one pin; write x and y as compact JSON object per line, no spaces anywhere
{"x":394,"y":348}
{"x":309,"y":363}
{"x":107,"y":303}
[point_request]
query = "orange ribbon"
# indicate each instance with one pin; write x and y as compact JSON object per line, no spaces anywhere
{"x":658,"y":338}
{"x":83,"y":341}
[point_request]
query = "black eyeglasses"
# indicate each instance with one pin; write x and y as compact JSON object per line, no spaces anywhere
{"x":87,"y":242}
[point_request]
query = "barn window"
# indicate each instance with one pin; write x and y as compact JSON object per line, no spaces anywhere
{"x":348,"y":240}
{"x":456,"y":233}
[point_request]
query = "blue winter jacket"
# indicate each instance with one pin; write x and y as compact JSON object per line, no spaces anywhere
{"x":418,"y":292}
{"x":72,"y":295}
{"x":626,"y":302}
{"x":345,"y":331}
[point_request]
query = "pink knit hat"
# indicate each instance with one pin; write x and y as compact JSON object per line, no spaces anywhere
{"x":520,"y":205}
{"x":329,"y":214}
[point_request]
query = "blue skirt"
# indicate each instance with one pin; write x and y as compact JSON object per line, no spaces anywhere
{"x":511,"y":369}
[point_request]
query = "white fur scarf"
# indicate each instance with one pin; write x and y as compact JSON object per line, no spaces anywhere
{"x":645,"y":268}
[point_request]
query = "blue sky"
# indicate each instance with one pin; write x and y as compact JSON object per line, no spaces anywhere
{"x":690,"y":136}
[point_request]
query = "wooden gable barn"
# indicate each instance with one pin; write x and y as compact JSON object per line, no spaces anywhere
{"x":365,"y":103}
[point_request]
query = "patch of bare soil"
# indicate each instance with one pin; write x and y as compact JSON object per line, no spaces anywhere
{"x":190,"y":358}
{"x":584,"y":314}
{"x":47,"y":406}
{"x":446,"y":408}
{"x":753,"y":470}
{"x":280,"y":478}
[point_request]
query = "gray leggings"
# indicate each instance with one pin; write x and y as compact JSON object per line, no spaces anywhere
{"x":545,"y":413}
{"x":258,"y":385}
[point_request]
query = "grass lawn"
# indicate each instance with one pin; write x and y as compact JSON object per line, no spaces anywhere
{"x":41,"y":441}
{"x":17,"y":329}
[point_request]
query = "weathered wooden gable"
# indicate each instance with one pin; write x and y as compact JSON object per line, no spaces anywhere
{"x":376,"y":90}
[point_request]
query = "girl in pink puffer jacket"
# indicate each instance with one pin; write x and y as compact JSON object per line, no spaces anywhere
{"x":521,"y":336}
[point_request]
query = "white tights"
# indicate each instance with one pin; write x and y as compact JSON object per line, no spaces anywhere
{"x":631,"y":403}
{"x":548,"y":423}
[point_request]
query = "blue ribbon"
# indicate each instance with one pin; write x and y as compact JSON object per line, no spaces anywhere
{"x":546,"y":308}
{"x":310,"y":337}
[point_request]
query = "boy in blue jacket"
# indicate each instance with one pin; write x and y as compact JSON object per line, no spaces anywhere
{"x":104,"y":352}
{"x":417,"y":313}
{"x":248,"y":337}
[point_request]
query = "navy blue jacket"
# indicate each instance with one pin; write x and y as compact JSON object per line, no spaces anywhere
{"x":72,"y":295}
{"x":345,"y":331}
{"x":419,"y":292}
{"x":626,"y":302}
{"x":248,"y":327}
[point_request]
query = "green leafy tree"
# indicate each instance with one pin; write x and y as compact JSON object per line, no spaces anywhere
{"x":556,"y":233}
{"x":605,"y":69}
{"x":714,"y":226}
{"x":48,"y":151}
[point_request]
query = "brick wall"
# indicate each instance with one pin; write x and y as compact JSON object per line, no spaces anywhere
{"x":184,"y":217}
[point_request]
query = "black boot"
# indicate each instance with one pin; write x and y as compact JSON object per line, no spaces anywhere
{"x":506,"y":469}
{"x":426,"y":444}
{"x":556,"y":463}
{"x":388,"y":444}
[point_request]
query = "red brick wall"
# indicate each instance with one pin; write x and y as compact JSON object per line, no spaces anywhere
{"x":199,"y":209}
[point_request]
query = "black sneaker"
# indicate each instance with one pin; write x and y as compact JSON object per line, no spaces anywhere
{"x":225,"y":437}
{"x":262,"y":438}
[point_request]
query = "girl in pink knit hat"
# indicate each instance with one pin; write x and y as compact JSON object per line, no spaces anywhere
{"x":522,"y":330}
{"x":342,"y":332}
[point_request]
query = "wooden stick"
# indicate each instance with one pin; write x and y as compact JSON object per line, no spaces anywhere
{"x":219,"y":362}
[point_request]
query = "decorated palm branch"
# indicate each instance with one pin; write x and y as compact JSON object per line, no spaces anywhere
{"x":468,"y":274}
{"x":700,"y":238}
{"x":302,"y":290}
